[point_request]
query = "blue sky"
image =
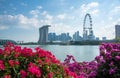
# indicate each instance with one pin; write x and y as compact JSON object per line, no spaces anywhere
{"x":20,"y":19}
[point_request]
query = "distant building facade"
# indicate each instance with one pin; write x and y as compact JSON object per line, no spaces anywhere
{"x":64,"y":37}
{"x":104,"y":38}
{"x":97,"y":38}
{"x":117,"y":31}
{"x":43,"y":34}
{"x":77,"y":37}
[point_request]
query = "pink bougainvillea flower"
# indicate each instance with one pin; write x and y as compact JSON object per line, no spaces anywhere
{"x":17,"y":49}
{"x":7,"y":51}
{"x":2,"y":67}
{"x":50,"y":75}
{"x":111,"y":71}
{"x":7,"y":76}
{"x":11,"y":63}
{"x":117,"y":58}
{"x":23,"y":73}
{"x":27,"y":52}
{"x":17,"y":62}
{"x":34,"y":70}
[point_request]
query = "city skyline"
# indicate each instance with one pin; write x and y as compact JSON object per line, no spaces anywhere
{"x":20,"y":20}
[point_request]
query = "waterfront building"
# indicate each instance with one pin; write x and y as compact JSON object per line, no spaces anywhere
{"x":97,"y":38}
{"x":76,"y":36}
{"x":43,"y":34}
{"x":64,"y":37}
{"x":68,"y":37}
{"x":51,"y":36}
{"x":85,"y":35}
{"x":104,"y":38}
{"x":117,"y":31}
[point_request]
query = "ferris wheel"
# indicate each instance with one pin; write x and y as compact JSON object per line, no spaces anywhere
{"x":87,"y":30}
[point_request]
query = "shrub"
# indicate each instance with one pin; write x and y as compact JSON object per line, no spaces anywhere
{"x":106,"y":65}
{"x":17,"y":62}
{"x":82,"y":69}
{"x":108,"y":61}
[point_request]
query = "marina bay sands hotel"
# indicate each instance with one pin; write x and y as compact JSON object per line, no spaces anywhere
{"x":43,"y":34}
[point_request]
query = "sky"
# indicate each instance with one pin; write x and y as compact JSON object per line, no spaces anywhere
{"x":20,"y":20}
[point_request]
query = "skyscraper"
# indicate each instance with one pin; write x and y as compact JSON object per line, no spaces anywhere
{"x":76,"y":36}
{"x":117,"y":31}
{"x":43,"y":34}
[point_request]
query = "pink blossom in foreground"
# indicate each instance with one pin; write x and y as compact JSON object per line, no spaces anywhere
{"x":7,"y":76}
{"x":2,"y":67}
{"x":23,"y":73}
{"x":50,"y":75}
{"x":34,"y":70}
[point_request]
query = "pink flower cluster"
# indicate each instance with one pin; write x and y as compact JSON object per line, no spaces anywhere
{"x":108,"y":61}
{"x":12,"y":63}
{"x":106,"y":65}
{"x":82,"y":69}
{"x":2,"y":67}
{"x":17,"y":62}
{"x":34,"y":70}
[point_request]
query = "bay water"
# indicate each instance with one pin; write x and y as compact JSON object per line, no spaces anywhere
{"x":80,"y":52}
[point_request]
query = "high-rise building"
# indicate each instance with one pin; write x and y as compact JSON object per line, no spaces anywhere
{"x":117,"y":31}
{"x":97,"y":38}
{"x":64,"y":37}
{"x":104,"y":38}
{"x":43,"y":34}
{"x":76,"y":36}
{"x":85,"y":35}
{"x":52,"y":37}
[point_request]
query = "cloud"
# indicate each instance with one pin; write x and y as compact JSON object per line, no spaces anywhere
{"x":93,"y":4}
{"x":35,"y":13}
{"x":44,"y":13}
{"x":46,"y":18}
{"x":90,"y":8}
{"x":61,"y":16}
{"x":19,"y":21}
{"x":94,"y":12}
{"x":6,"y":20}
{"x":27,"y":22}
{"x":22,"y":21}
{"x":39,"y":7}
{"x":49,"y":17}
